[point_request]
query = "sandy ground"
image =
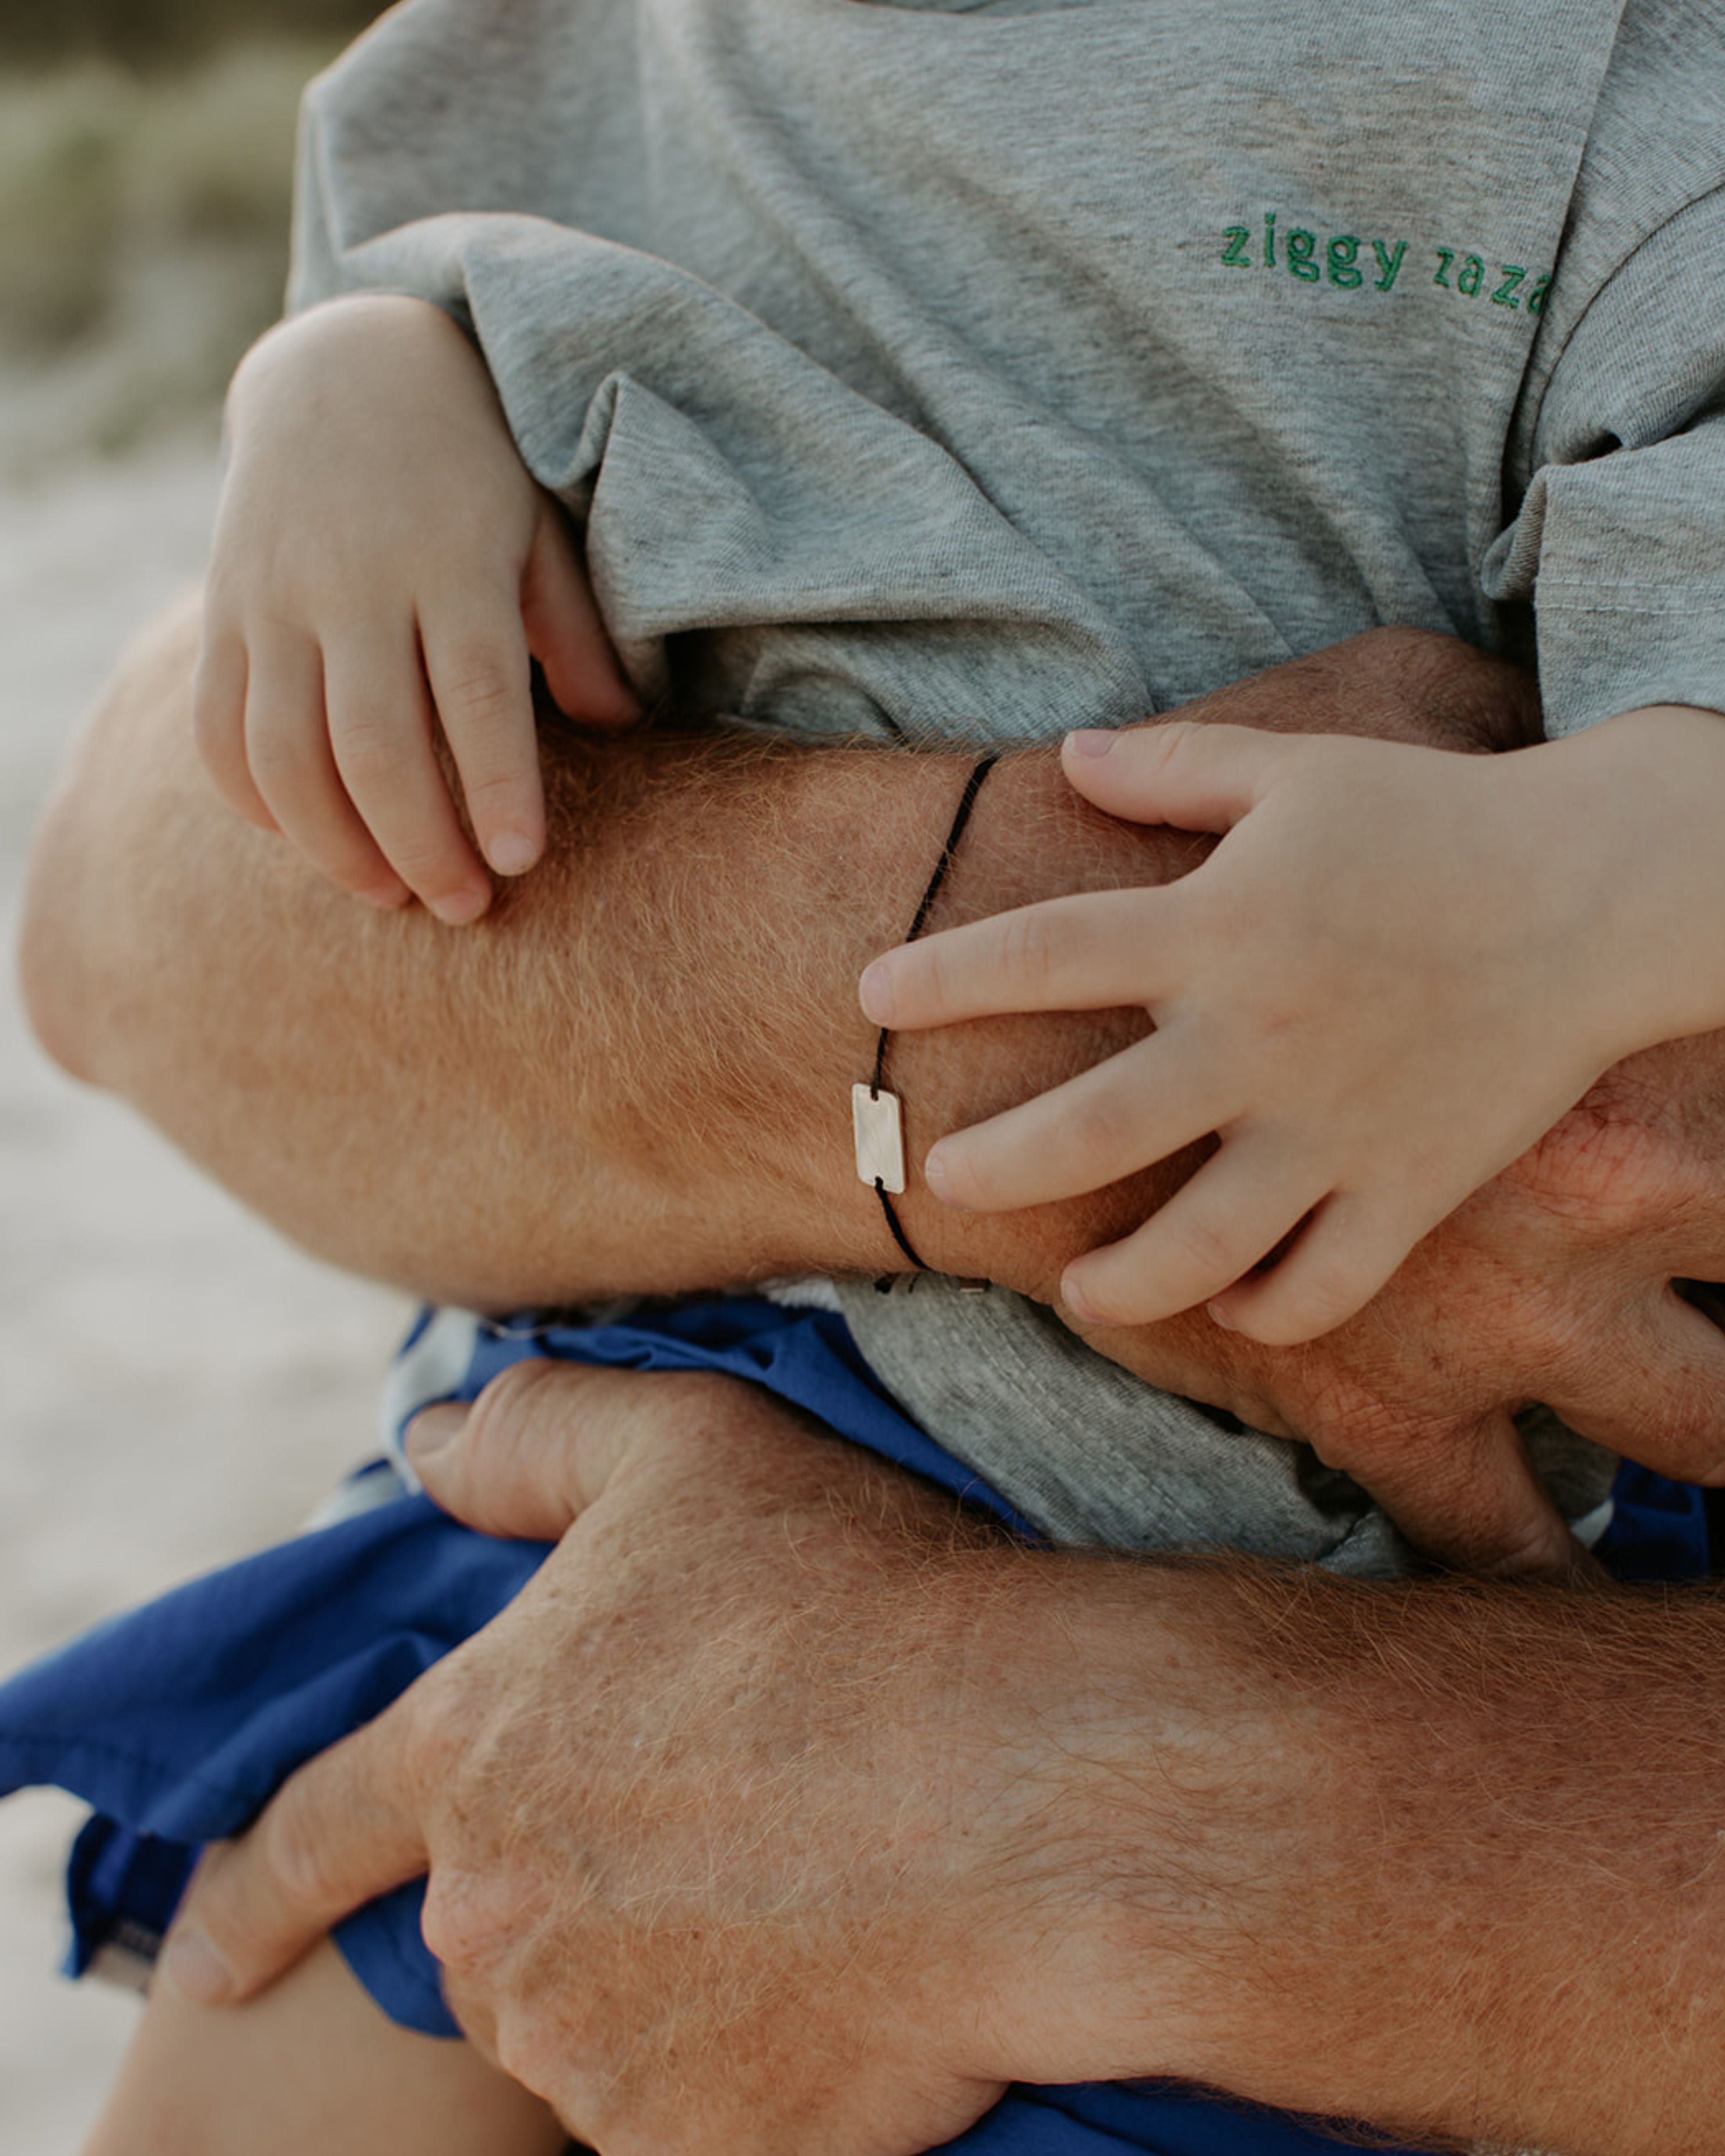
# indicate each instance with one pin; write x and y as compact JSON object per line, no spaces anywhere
{"x":176,"y":1385}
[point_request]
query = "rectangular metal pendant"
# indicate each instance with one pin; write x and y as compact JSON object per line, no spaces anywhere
{"x":880,"y":1138}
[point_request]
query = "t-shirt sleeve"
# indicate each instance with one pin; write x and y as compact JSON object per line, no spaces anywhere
{"x":1619,"y":544}
{"x":767,"y":540}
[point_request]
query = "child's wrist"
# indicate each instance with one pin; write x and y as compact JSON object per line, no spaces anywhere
{"x":329,"y":337}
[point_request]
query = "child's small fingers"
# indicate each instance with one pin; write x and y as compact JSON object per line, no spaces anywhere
{"x":481,"y":684}
{"x":1137,"y":1106}
{"x":1176,"y":770}
{"x":287,"y":750}
{"x":565,"y":632}
{"x":1211,"y":1232}
{"x":218,"y":692}
{"x":1094,"y":951}
{"x":1344,"y":1255}
{"x":380,"y":727}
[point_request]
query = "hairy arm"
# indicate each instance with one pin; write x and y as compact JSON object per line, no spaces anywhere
{"x":906,"y":1814}
{"x":634,"y":1074}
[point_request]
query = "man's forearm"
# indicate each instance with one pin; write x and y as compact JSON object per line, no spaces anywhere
{"x":635,"y":1076}
{"x":1442,"y":1859}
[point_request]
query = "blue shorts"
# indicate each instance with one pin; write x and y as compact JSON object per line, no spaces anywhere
{"x":177,"y":1722}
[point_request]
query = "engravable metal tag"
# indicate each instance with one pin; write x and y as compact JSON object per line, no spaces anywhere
{"x":880,"y":1138}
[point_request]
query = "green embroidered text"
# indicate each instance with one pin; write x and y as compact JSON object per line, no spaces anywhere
{"x":1311,"y":257}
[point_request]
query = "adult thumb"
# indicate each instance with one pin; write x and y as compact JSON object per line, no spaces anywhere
{"x":534,"y":1450}
{"x":1466,"y":1494}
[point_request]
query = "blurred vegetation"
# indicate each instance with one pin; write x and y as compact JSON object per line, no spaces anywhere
{"x":143,"y":213}
{"x":154,"y":33}
{"x":95,"y":164}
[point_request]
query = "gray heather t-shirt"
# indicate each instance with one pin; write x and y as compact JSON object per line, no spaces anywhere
{"x":947,"y":373}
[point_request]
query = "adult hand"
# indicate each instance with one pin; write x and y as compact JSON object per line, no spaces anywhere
{"x":787,"y":1814}
{"x":1394,"y":685}
{"x":743,"y":1822}
{"x":1557,"y":1283}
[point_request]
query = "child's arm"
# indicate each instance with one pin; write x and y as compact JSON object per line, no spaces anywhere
{"x":384,"y":565}
{"x":1397,"y":971}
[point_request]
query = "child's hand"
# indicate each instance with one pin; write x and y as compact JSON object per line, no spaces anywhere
{"x":384,"y":565}
{"x":1394,"y":975}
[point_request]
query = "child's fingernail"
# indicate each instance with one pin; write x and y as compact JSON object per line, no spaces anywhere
{"x":1091,"y":741}
{"x":1073,"y":1298}
{"x":432,"y":1428}
{"x":875,"y":990}
{"x":456,"y":908}
{"x":1219,"y":1316}
{"x":939,"y":1181}
{"x":192,"y":1967}
{"x":511,"y":853}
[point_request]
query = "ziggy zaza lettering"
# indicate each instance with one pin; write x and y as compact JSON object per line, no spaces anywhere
{"x":1349,"y":263}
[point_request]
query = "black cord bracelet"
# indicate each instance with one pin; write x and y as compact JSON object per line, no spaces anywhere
{"x":876,"y":1113}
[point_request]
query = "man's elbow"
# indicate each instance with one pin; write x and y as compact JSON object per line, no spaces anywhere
{"x":56,"y":972}
{"x":84,"y":931}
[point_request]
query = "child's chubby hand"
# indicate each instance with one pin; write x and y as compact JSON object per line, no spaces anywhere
{"x":1397,"y":969}
{"x":386,"y":566}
